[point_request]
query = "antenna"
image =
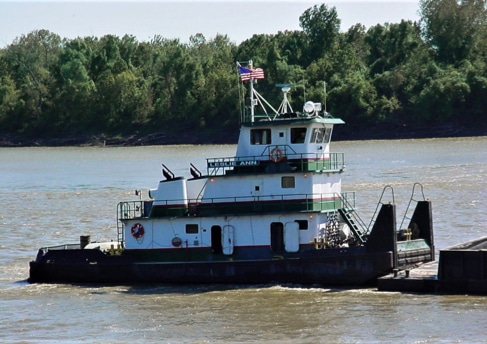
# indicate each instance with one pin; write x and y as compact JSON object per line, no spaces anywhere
{"x":324,"y":89}
{"x":304,"y":90}
{"x":283,"y":108}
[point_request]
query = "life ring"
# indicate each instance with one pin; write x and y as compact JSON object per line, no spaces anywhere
{"x":137,"y":231}
{"x":176,"y":241}
{"x":275,"y":155}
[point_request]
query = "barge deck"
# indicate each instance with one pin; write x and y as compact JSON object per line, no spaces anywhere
{"x":461,"y":269}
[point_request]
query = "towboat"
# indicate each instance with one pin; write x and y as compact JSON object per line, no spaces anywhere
{"x":273,"y":213}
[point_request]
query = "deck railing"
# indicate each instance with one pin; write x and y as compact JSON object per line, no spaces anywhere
{"x":297,"y":162}
{"x":235,"y":205}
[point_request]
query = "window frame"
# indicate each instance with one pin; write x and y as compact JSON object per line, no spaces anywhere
{"x":192,"y":228}
{"x":288,"y":182}
{"x":260,"y":136}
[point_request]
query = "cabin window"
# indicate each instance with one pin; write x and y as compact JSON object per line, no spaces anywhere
{"x":260,"y":136}
{"x":216,"y":240}
{"x":277,"y":236}
{"x":327,"y":137}
{"x":317,"y":136}
{"x":191,"y":229}
{"x":320,"y":135}
{"x":287,"y":182}
{"x":303,"y":224}
{"x":298,"y":135}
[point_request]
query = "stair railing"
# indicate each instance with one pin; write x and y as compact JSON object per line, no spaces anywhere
{"x":380,"y":203}
{"x":353,"y":219}
{"x":412,"y":199}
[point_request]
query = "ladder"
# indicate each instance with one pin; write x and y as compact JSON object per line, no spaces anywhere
{"x":355,"y":223}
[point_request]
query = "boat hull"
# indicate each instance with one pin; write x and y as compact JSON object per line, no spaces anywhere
{"x":352,"y":266}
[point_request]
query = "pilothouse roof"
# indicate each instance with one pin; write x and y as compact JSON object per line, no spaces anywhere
{"x":293,"y":121}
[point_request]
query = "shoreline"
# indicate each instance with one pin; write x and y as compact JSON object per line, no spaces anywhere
{"x":163,"y":138}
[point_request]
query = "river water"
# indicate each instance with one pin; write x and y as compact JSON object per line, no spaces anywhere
{"x":51,"y":196}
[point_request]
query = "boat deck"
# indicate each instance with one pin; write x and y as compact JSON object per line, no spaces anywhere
{"x":460,"y":269}
{"x":423,"y":279}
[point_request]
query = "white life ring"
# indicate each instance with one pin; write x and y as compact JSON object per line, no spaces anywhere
{"x":137,"y":231}
{"x":276,"y":155}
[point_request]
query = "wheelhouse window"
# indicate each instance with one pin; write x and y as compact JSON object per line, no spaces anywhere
{"x":327,"y":137}
{"x":288,"y":182}
{"x":191,"y":229}
{"x":260,"y":136}
{"x":320,"y":135}
{"x":298,"y":135}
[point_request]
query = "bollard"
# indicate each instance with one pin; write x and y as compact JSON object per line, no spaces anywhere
{"x":84,"y":240}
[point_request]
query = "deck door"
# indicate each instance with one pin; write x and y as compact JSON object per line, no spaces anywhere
{"x":216,"y":239}
{"x":227,"y":239}
{"x":291,"y":237}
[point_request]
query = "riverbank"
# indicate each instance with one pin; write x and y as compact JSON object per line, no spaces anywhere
{"x":341,"y":133}
{"x":159,"y":138}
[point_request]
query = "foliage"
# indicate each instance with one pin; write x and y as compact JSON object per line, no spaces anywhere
{"x":321,"y":26}
{"x":455,"y":29}
{"x":391,"y":75}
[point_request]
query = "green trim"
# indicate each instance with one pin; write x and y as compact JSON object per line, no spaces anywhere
{"x":164,"y":211}
{"x":410,"y":245}
{"x":232,"y":206}
{"x":300,"y":162}
{"x":267,"y":207}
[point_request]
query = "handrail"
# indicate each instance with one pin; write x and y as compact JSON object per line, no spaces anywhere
{"x":380,"y":202}
{"x":411,"y":200}
{"x":356,"y":217}
{"x":330,"y":162}
{"x":275,"y":203}
{"x":127,"y":210}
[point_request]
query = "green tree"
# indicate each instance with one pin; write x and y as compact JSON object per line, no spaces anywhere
{"x":355,"y":100}
{"x":215,"y":90}
{"x":76,"y":89}
{"x":30,"y":59}
{"x":396,"y":60}
{"x":178,"y":83}
{"x":9,"y":101}
{"x":456,"y":30}
{"x":443,"y":97}
{"x":119,"y":88}
{"x":322,"y":27}
{"x":292,"y":47}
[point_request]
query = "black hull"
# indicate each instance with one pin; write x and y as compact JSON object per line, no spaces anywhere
{"x":80,"y":266}
{"x":352,"y":266}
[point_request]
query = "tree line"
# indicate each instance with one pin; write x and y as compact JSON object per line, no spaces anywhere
{"x":414,"y":74}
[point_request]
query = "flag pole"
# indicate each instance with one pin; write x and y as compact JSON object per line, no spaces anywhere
{"x":251,"y":95}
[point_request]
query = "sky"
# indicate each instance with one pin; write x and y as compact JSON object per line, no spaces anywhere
{"x":237,"y":19}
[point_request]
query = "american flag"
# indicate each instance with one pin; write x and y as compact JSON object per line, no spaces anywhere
{"x":257,"y":73}
{"x":246,"y":73}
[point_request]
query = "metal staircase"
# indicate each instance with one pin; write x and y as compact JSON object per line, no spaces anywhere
{"x":353,"y":220}
{"x":355,"y":223}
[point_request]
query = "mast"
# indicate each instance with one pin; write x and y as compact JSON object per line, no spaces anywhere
{"x":324,"y":89}
{"x":255,"y":98}
{"x":252,"y":101}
